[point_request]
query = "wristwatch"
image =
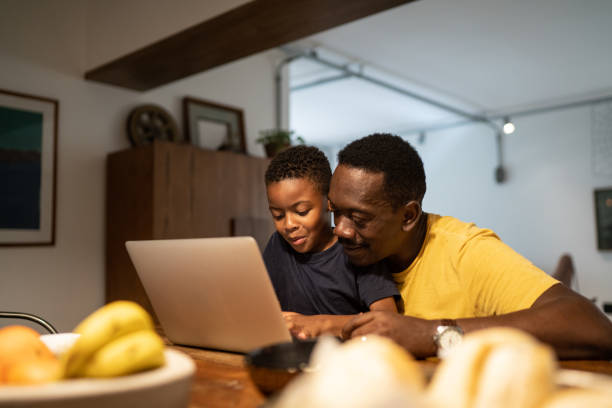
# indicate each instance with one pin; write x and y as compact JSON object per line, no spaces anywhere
{"x":447,"y":336}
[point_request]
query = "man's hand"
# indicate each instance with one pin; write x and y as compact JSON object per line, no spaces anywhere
{"x":304,"y":327}
{"x":415,"y":335}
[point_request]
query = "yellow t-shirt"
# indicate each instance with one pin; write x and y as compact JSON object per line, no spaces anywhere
{"x":464,"y":271}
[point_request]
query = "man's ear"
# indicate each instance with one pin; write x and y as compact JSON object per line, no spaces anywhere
{"x":412,"y":213}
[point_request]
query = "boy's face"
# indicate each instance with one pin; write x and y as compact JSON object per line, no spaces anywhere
{"x":300,"y":214}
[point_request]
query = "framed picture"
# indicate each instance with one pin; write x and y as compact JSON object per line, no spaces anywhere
{"x":28,"y":161}
{"x":603,"y":216}
{"x":213,"y":126}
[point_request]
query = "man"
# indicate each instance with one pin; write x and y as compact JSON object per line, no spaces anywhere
{"x":454,"y":277}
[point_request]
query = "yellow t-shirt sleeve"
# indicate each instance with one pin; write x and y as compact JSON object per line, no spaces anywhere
{"x":497,"y":277}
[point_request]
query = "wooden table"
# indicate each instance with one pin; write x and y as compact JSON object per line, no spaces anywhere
{"x":222,"y":379}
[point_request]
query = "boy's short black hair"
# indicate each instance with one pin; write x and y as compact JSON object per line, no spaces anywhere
{"x":300,"y":162}
{"x":404,"y":176}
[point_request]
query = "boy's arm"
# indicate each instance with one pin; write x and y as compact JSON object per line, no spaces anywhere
{"x":388,"y":304}
{"x":303,"y":326}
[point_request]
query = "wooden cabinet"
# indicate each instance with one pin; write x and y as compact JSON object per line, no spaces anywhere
{"x":167,"y":190}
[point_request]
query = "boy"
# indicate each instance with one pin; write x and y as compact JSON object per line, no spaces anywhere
{"x":317,"y":287}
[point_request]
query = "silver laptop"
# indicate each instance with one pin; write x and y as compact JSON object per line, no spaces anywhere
{"x":210,"y":292}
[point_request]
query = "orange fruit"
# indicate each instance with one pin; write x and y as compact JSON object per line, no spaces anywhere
{"x":33,"y":371}
{"x":19,"y":344}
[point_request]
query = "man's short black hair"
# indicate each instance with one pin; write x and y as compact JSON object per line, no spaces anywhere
{"x":301,"y":162}
{"x":404,"y":176}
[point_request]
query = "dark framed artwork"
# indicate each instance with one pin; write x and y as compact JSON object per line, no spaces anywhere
{"x":603,"y":217}
{"x":28,"y":162}
{"x":213,"y":126}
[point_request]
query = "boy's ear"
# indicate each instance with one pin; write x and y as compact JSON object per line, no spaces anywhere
{"x":412,"y":212}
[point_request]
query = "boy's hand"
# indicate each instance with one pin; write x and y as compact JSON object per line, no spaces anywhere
{"x":304,"y":327}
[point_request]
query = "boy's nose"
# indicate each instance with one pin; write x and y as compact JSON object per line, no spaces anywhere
{"x":290,"y":223}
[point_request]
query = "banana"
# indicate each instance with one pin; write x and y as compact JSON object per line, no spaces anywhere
{"x":128,"y":354}
{"x":106,"y":324}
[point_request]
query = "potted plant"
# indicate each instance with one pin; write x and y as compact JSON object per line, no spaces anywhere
{"x":277,"y":140}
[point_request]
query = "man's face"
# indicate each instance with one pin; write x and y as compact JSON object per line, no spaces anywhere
{"x":366,"y":224}
{"x":300,"y":215}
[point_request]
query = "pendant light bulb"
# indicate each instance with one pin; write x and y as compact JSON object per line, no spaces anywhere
{"x":508,"y":127}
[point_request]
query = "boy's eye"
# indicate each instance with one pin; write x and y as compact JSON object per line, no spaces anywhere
{"x":277,"y":215}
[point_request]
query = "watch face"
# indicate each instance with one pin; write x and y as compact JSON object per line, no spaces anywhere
{"x":450,"y":338}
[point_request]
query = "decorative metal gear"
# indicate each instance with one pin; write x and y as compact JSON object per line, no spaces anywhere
{"x":147,"y":123}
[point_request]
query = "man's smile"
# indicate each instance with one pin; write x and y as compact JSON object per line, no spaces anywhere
{"x":350,"y":246}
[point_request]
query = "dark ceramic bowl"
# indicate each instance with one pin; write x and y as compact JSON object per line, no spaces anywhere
{"x":271,"y":368}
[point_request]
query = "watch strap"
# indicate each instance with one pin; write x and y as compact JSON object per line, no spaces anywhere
{"x":448,"y":322}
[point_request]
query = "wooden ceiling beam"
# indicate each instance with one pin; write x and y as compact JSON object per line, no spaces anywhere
{"x":251,"y":28}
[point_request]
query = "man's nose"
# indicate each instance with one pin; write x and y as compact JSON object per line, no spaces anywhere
{"x":343,"y":228}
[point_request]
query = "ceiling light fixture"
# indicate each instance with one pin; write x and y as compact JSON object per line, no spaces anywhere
{"x":508,"y":127}
{"x":421,"y":137}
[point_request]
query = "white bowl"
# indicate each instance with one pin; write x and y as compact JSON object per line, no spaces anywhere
{"x":165,"y":387}
{"x":60,"y":342}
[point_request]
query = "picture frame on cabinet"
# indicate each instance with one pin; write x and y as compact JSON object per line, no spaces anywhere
{"x":603,"y":218}
{"x":28,"y":163}
{"x":213,"y":126}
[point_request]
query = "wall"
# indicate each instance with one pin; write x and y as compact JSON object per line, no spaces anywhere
{"x":545,"y":208}
{"x":44,"y":51}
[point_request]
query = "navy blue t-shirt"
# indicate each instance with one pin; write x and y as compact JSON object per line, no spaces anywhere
{"x":324,"y":282}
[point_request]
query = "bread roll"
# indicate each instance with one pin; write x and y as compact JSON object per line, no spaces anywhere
{"x":357,"y":374}
{"x":497,"y":367}
{"x":571,"y":398}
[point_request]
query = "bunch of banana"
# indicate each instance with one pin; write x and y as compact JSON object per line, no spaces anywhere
{"x":117,"y":339}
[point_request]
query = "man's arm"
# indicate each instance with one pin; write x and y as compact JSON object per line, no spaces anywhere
{"x":303,"y":326}
{"x":570,"y":323}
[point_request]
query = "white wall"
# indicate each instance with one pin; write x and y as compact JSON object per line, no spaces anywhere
{"x":43,"y":51}
{"x":545,"y":208}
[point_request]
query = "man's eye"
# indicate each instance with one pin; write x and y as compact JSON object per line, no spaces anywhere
{"x":359,"y":222}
